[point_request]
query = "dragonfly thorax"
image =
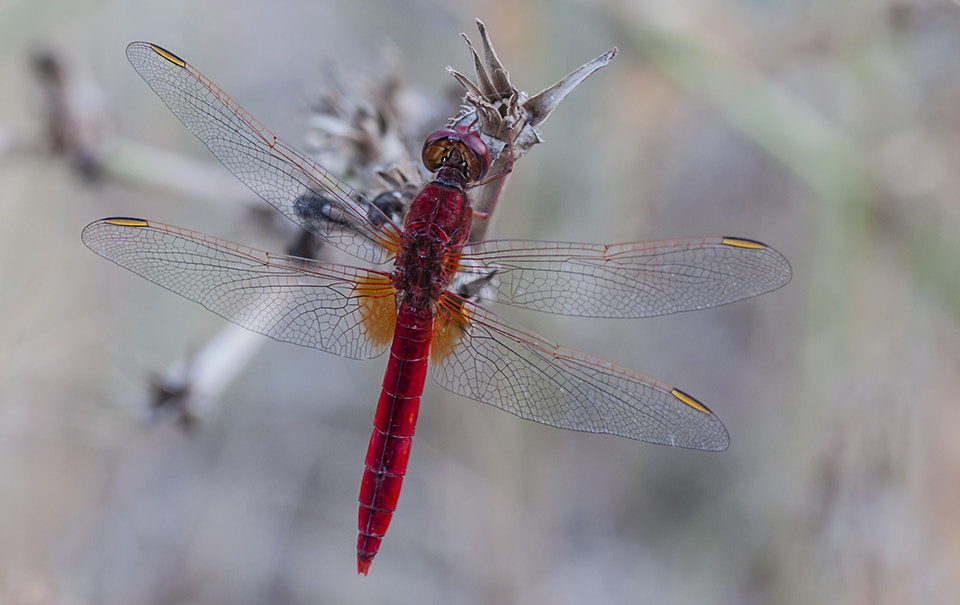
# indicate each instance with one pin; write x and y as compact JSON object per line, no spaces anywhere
{"x":423,"y":267}
{"x":435,"y":228}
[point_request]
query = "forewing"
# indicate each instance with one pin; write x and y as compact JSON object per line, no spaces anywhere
{"x":484,"y":357}
{"x":292,"y":183}
{"x":334,"y":308}
{"x":641,"y":279}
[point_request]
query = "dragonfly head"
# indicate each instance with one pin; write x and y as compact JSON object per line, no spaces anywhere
{"x":461,"y":150}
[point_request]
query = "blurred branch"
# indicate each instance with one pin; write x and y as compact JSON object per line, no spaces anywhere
{"x":838,"y":169}
{"x":145,"y":166}
{"x":815,"y":151}
{"x":933,"y":258}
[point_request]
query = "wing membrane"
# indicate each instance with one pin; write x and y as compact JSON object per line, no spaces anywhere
{"x":497,"y":362}
{"x":642,"y":279}
{"x":330,"y":307}
{"x":286,"y":179}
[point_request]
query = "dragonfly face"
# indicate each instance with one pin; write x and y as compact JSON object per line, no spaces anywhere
{"x":424,"y":310}
{"x":459,"y":155}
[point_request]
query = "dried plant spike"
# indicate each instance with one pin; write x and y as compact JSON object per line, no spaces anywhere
{"x":505,"y":112}
{"x":506,"y":116}
{"x":541,"y":104}
{"x":467,"y":83}
{"x":499,"y":73}
{"x":485,"y":84}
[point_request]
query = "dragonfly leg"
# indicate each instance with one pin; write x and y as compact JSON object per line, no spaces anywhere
{"x":502,"y":177}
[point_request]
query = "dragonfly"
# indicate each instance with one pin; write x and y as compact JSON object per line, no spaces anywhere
{"x":418,"y":297}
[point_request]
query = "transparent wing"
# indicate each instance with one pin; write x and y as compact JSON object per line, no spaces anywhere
{"x":334,"y":308}
{"x":484,"y":357}
{"x":293,"y":184}
{"x":642,"y":279}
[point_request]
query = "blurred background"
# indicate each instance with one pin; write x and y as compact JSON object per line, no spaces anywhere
{"x":830,"y":131}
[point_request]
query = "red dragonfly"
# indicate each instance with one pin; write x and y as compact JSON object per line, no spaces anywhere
{"x":416,"y":307}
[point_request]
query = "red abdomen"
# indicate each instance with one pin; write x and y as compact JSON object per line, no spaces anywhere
{"x":393,"y":427}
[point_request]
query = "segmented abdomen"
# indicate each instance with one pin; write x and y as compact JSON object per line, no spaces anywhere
{"x":393,"y":427}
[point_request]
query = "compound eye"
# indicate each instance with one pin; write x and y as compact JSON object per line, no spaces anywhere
{"x":478,"y":152}
{"x":459,"y":148}
{"x":437,"y":147}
